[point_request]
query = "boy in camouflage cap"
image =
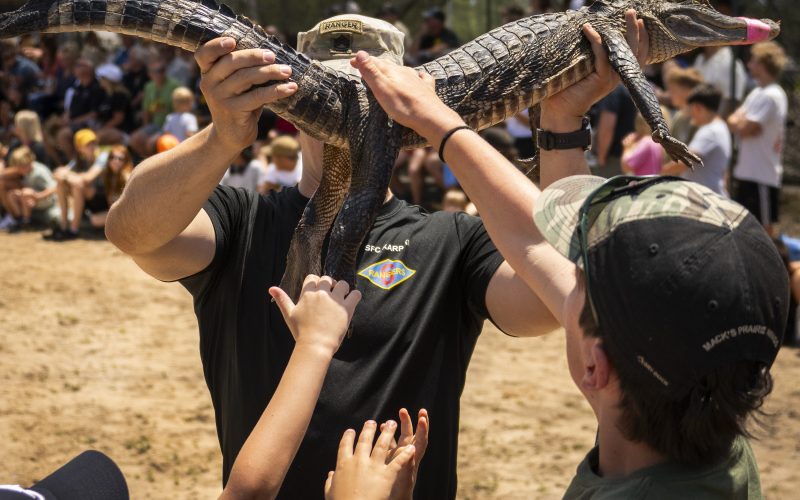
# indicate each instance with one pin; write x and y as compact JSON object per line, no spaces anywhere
{"x":673,"y":298}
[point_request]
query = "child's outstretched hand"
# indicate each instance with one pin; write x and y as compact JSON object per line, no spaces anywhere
{"x":385,"y":471}
{"x":322,"y":313}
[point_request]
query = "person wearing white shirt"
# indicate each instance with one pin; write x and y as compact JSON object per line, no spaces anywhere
{"x":285,"y":168}
{"x":715,"y":65}
{"x":245,"y":172}
{"x":760,"y":126}
{"x":181,"y":123}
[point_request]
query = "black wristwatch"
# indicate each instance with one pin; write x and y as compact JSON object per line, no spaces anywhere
{"x":579,"y":139}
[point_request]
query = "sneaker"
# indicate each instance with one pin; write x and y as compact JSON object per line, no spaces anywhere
{"x":7,"y":223}
{"x":58,"y":234}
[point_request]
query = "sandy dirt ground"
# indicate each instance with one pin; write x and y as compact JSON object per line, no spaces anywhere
{"x":95,"y":354}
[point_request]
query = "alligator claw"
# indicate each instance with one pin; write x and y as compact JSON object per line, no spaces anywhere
{"x":678,"y":150}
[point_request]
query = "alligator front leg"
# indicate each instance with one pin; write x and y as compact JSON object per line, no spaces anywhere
{"x":624,"y":62}
{"x":373,"y":151}
{"x":305,"y":252}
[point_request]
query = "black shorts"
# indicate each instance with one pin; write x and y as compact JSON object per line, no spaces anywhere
{"x":761,"y":200}
{"x":98,"y":203}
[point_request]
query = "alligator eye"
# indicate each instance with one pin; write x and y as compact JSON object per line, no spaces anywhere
{"x":713,"y":305}
{"x":654,"y":249}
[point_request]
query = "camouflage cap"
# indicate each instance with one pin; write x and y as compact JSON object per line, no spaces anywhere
{"x":683,"y":280}
{"x":336,"y":40}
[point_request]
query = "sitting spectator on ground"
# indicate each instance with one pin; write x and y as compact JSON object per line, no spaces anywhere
{"x":285,"y":169}
{"x":77,"y":182}
{"x":760,"y":126}
{"x":181,"y":122}
{"x":245,"y":172}
{"x":110,"y":184}
{"x":641,"y":155}
{"x":80,"y":103}
{"x":114,"y":115}
{"x":30,"y":194}
{"x":712,"y":142}
{"x":679,"y":82}
{"x":24,"y":73}
{"x":28,"y":132}
{"x":61,"y":144}
{"x":156,"y":105}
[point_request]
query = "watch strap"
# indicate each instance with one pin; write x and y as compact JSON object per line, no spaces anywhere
{"x":571,"y":140}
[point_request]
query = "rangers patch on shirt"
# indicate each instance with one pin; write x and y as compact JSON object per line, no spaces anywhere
{"x":387,"y":274}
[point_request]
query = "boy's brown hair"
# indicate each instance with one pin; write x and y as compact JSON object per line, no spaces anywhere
{"x":20,"y":157}
{"x":771,"y":56}
{"x":685,"y":77}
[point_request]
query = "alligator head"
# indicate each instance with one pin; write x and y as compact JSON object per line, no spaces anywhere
{"x":675,"y":28}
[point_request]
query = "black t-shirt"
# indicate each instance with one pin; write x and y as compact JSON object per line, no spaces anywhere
{"x":119,"y":100}
{"x":446,"y":37}
{"x":620,"y":103}
{"x":423,"y":278}
{"x":86,"y":98}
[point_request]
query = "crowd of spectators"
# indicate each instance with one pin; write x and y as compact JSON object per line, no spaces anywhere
{"x":78,"y":111}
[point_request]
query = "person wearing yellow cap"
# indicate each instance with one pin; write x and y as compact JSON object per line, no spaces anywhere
{"x":77,"y":182}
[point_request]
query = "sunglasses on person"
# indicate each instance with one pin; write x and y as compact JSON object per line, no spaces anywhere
{"x":117,"y":157}
{"x":605,"y":193}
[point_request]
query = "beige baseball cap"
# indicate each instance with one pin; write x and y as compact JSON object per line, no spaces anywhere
{"x":336,"y":40}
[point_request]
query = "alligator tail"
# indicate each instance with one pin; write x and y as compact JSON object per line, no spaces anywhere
{"x":28,"y":18}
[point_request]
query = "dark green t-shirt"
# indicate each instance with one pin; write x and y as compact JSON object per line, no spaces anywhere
{"x":735,"y":477}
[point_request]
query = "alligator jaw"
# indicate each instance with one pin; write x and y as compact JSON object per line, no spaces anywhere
{"x":709,"y":28}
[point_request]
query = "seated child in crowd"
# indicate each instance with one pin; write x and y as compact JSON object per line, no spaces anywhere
{"x":76,"y":184}
{"x":110,"y":184}
{"x":181,"y":123}
{"x":286,"y":166}
{"x":27,"y":190}
{"x":641,"y":155}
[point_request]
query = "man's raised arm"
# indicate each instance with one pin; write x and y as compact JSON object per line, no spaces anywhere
{"x":504,"y":197}
{"x":158,"y":219}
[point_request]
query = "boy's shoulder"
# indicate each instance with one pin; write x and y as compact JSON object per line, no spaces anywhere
{"x":736,"y":476}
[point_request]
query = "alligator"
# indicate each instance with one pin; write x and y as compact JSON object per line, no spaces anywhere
{"x":487,"y":80}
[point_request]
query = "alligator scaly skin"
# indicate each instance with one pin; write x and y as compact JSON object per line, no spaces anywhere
{"x":486,"y":81}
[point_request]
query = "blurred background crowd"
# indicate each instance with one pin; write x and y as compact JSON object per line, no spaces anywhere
{"x":78,"y":112}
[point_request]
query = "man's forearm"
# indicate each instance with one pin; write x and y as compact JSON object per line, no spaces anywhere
{"x":166,"y":191}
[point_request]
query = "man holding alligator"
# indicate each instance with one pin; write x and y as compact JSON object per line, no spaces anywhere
{"x":428,"y":280}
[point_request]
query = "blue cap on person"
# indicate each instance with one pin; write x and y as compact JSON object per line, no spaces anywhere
{"x":89,"y":476}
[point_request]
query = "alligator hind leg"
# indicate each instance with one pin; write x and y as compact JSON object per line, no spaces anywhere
{"x":624,"y":62}
{"x":305,"y":251}
{"x":373,"y":151}
{"x":530,"y":166}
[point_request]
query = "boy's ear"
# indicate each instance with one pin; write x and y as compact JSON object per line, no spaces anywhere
{"x":597,"y":368}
